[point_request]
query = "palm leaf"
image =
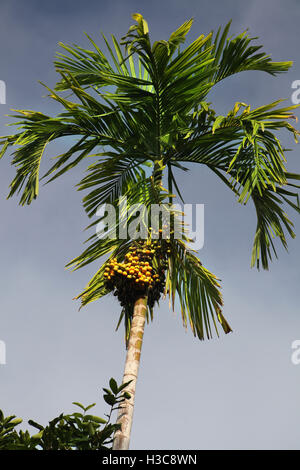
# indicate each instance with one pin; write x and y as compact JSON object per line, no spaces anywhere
{"x":238,"y":54}
{"x":198,"y":291}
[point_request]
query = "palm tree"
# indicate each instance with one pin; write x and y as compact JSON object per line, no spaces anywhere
{"x":142,"y":115}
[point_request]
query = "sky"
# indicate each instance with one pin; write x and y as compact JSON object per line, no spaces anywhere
{"x":241,"y":391}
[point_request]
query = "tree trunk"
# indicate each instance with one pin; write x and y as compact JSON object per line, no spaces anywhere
{"x":125,"y":415}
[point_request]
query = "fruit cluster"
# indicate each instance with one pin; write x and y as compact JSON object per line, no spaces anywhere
{"x":140,"y":274}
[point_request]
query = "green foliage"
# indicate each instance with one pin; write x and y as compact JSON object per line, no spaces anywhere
{"x":148,"y":107}
{"x":76,"y":431}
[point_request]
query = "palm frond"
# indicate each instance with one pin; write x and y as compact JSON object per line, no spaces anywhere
{"x":237,"y":54}
{"x":37,"y":131}
{"x":272,"y":222}
{"x":111,"y":178}
{"x":198,"y":291}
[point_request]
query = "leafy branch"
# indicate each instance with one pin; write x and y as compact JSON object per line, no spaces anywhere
{"x":76,"y":431}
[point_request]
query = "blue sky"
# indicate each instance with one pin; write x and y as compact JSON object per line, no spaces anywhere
{"x":237,"y":392}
